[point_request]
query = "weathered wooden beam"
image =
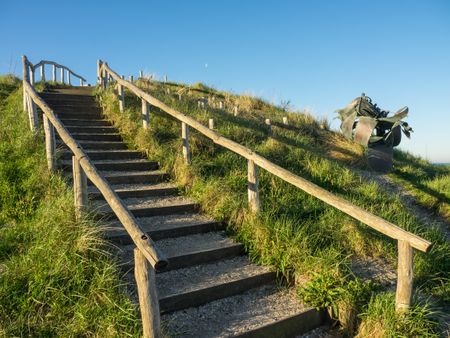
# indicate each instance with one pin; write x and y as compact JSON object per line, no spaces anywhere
{"x":121,"y":96}
{"x":50,"y":145}
{"x":185,"y":139}
{"x":32,"y":76}
{"x":253,"y":192}
{"x":145,"y":114}
{"x":79,"y":188}
{"x":32,"y":115}
{"x":405,"y":272}
{"x":25,"y":78}
{"x":53,"y":73}
{"x":42,"y":73}
{"x":148,"y":297}
{"x":269,"y":126}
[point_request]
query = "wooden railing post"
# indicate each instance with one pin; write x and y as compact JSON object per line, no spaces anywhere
{"x":269,"y":124}
{"x":79,"y":187}
{"x":121,"y":94}
{"x":140,"y":74}
{"x":42,"y":73}
{"x":131,"y":78}
{"x":253,"y":192}
{"x":31,"y":76}
{"x":285,"y":120}
{"x":25,"y":78}
{"x":145,"y":114}
{"x":62,"y":74}
{"x":32,"y":115}
{"x":68,"y":78}
{"x":148,"y":297}
{"x":405,"y":271}
{"x":54,"y":73}
{"x":185,"y":138}
{"x":50,"y":144}
{"x":211,"y":123}
{"x":81,"y":82}
{"x":99,"y":74}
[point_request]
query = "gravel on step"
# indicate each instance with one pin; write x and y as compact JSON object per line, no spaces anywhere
{"x":206,"y":275}
{"x":234,"y":315}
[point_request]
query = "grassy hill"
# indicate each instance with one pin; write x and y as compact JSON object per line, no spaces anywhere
{"x":310,"y":243}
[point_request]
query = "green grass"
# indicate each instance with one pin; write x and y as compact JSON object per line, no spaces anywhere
{"x":303,"y":238}
{"x":56,"y":277}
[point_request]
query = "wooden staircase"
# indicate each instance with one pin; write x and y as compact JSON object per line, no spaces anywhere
{"x":210,"y":288}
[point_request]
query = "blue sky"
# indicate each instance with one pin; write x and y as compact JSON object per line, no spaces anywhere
{"x":317,"y":54}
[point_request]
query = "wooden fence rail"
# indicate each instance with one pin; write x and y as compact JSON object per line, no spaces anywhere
{"x":148,"y":256}
{"x":55,"y":66}
{"x":406,"y":240}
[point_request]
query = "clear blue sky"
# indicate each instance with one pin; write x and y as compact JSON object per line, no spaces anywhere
{"x":317,"y":54}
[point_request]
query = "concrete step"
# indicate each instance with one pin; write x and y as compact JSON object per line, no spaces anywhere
{"x":106,"y":155}
{"x":74,"y":121}
{"x":267,"y":311}
{"x":190,"y":250}
{"x":92,"y":129}
{"x":161,"y":227}
{"x":117,"y":165}
{"x":148,"y":206}
{"x":136,"y":190}
{"x":107,"y":145}
{"x":200,"y":284}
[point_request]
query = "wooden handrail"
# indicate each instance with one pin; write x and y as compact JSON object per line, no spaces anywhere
{"x":148,"y":248}
{"x":46,"y":62}
{"x":373,"y":221}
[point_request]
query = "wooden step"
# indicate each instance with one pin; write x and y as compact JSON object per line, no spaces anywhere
{"x":96,"y":137}
{"x":106,"y":155}
{"x":133,"y":177}
{"x":148,"y":206}
{"x":117,"y":165}
{"x":75,"y":121}
{"x":200,"y":284}
{"x":161,"y":227}
{"x":91,"y":129}
{"x":107,"y":145}
{"x":267,"y":311}
{"x":79,"y":115}
{"x":136,"y":190}
{"x":190,"y":250}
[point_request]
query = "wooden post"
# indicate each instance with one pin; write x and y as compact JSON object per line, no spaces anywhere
{"x":148,"y":297}
{"x":131,"y":78}
{"x":165,"y":78}
{"x":269,"y":124}
{"x":179,"y":97}
{"x":405,"y":272}
{"x":54,"y":73}
{"x":99,"y":73}
{"x":81,"y":82}
{"x":49,"y":143}
{"x":285,"y":120}
{"x":62,"y":75}
{"x":25,"y":78}
{"x":68,"y":78}
{"x":235,"y":110}
{"x":79,"y":187}
{"x":221,"y":104}
{"x":32,"y":115}
{"x":185,"y":138}
{"x":145,"y":114}
{"x":211,"y":123}
{"x":253,"y":192}
{"x":140,"y":74}
{"x":121,"y":94}
{"x":42,"y":73}
{"x":31,"y":76}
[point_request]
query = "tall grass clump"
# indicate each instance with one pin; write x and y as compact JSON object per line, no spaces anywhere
{"x":56,"y":277}
{"x":307,"y":241}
